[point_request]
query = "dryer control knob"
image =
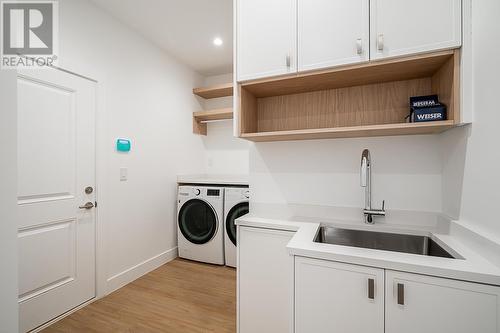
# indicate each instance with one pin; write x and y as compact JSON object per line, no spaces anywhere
{"x":197,"y":191}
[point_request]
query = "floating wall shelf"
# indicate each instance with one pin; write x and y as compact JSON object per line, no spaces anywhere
{"x":200,"y":118}
{"x":222,"y":90}
{"x":369,"y":99}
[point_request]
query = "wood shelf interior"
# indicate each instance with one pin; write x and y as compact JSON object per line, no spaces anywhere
{"x":222,"y":90}
{"x":201,"y":118}
{"x":369,"y":99}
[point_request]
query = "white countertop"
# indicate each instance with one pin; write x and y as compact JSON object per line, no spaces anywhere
{"x":218,"y":179}
{"x":474,"y":267}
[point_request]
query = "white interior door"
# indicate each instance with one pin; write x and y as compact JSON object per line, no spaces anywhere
{"x":56,"y":163}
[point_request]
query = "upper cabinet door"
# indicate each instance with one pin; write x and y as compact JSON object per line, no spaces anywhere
{"x":266,"y":38}
{"x":332,"y":32}
{"x":401,"y":27}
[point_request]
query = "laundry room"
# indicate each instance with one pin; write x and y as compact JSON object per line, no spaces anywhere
{"x":249,"y":166}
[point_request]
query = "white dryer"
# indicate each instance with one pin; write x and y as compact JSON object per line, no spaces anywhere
{"x":200,"y":223}
{"x":235,"y":205}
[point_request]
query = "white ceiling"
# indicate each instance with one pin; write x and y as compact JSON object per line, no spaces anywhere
{"x":183,"y":28}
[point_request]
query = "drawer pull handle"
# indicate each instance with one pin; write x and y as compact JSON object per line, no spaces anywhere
{"x":371,"y":288}
{"x":401,"y":294}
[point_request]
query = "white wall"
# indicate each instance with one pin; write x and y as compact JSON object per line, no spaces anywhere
{"x":148,"y":98}
{"x":475,"y":173}
{"x":8,"y":202}
{"x":225,"y":154}
{"x":406,"y":172}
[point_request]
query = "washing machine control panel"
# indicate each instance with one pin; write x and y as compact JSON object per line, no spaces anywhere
{"x":213,"y":192}
{"x":197,"y":191}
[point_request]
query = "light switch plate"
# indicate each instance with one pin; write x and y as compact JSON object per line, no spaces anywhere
{"x":123,"y":174}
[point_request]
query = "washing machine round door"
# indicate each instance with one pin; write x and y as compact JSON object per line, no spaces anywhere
{"x":235,"y":212}
{"x":197,"y":221}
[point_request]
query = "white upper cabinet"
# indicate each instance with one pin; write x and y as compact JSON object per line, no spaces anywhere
{"x":402,"y":27}
{"x":416,"y":303}
{"x":266,"y":38}
{"x":277,"y":37}
{"x":332,"y":32}
{"x":335,"y":297}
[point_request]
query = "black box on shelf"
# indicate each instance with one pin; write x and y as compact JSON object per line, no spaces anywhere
{"x":426,"y":108}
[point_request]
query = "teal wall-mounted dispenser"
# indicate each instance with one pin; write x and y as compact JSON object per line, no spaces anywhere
{"x":123,"y":145}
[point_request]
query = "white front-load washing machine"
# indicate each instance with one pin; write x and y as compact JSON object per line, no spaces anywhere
{"x":235,"y":205}
{"x":200,"y":223}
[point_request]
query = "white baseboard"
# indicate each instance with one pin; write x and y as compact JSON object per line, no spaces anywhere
{"x":64,"y":315}
{"x":121,"y":279}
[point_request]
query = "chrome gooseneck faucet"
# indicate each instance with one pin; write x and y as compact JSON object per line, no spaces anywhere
{"x":366,"y":182}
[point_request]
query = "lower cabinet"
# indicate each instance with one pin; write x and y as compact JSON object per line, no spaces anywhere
{"x":265,"y":281}
{"x":417,"y":303}
{"x":334,"y":297}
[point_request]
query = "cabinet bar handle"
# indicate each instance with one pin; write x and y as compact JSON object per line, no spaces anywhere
{"x":401,"y":294}
{"x":359,"y":46}
{"x":371,"y":288}
{"x":288,"y":61}
{"x":380,"y":42}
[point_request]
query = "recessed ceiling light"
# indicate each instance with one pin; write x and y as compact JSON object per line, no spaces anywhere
{"x":218,"y":41}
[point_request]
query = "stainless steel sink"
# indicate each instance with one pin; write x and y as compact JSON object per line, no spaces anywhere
{"x":422,"y":245}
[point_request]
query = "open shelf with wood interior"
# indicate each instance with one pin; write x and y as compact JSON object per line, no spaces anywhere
{"x":221,"y":90}
{"x":369,"y":99}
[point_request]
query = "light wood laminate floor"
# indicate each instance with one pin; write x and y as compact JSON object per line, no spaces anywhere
{"x":181,"y":296}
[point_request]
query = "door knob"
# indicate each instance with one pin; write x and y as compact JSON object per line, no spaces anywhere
{"x":88,"y":205}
